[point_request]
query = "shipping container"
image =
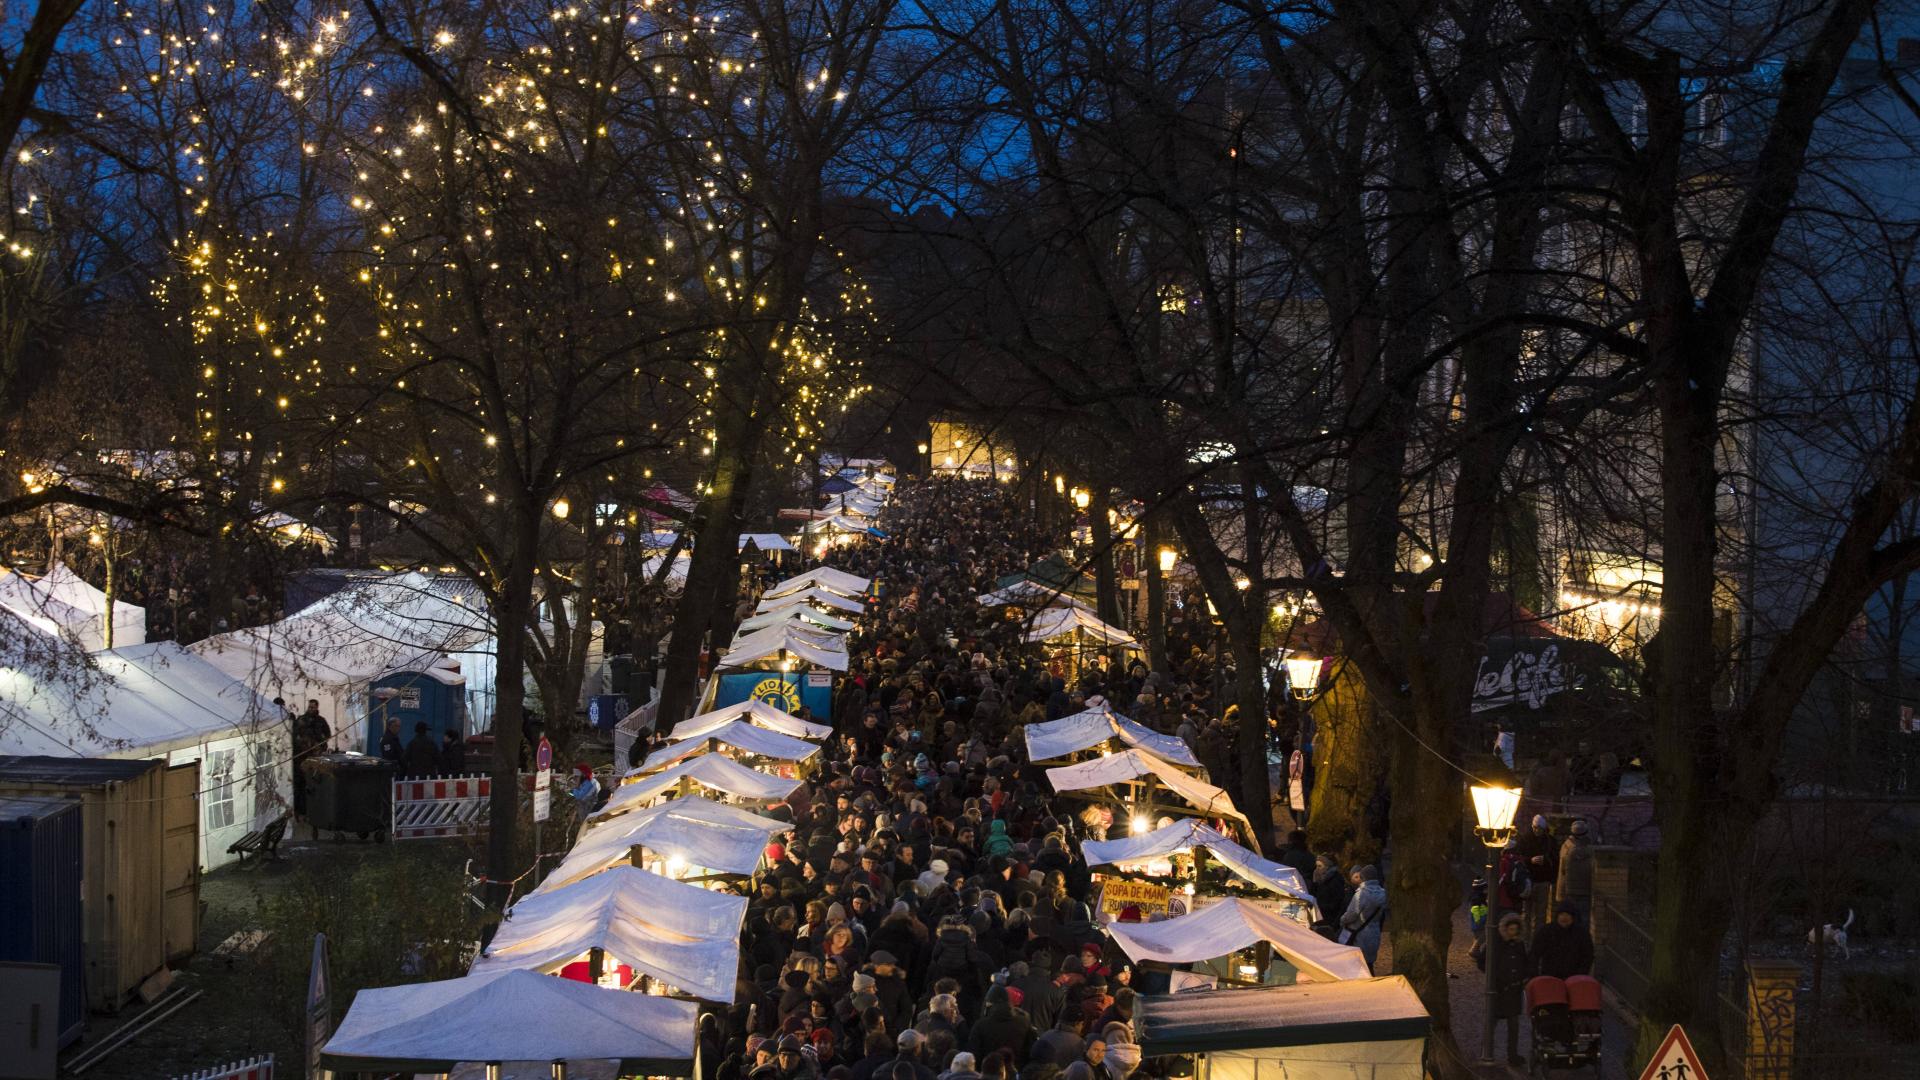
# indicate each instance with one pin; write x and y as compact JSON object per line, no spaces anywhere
{"x":124,"y":871}
{"x":40,"y":896}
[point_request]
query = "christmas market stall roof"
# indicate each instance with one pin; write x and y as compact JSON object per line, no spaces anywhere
{"x":1374,"y":1028}
{"x":808,"y":616}
{"x":755,"y":712}
{"x":740,"y":735}
{"x":78,"y":608}
{"x":823,"y":577}
{"x":1032,"y":594}
{"x":1229,"y":925}
{"x":817,"y":597}
{"x":699,"y":832}
{"x":1091,"y":728}
{"x":683,"y":935}
{"x":1130,"y":766}
{"x":1186,"y":834}
{"x":1062,"y":622}
{"x":766,"y":542}
{"x":821,"y":648}
{"x":431,"y":1027}
{"x":716,"y":772}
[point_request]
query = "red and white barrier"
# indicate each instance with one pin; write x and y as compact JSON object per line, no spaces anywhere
{"x":256,"y":1068}
{"x":440,"y":806}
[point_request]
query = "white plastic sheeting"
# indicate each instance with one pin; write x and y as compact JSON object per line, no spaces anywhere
{"x":1229,"y":926}
{"x":1186,"y":834}
{"x":1054,"y":623}
{"x":1132,"y":765}
{"x":685,"y":936}
{"x":817,"y":597}
{"x":716,"y":772}
{"x":63,"y":586}
{"x":430,"y":1027}
{"x":1029,"y":593}
{"x":822,"y":577}
{"x":738,"y":734}
{"x":806,"y":615}
{"x":1373,"y":1028}
{"x":703,"y":834}
{"x":765,"y":541}
{"x":1090,"y":728}
{"x":819,"y":647}
{"x":757,"y":713}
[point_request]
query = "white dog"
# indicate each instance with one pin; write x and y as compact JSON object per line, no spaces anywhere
{"x":1831,"y":936}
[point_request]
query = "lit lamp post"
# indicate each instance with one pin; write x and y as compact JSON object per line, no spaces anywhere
{"x":1493,"y":811}
{"x":1303,"y":675}
{"x":926,"y":459}
{"x":1082,"y":498}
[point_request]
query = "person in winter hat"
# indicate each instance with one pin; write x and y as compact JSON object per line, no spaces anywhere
{"x":1573,"y":881}
{"x":1512,"y":968}
{"x":1563,"y":947}
{"x":1366,"y":912}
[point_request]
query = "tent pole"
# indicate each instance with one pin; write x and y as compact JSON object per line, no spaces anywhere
{"x":559,"y":1070}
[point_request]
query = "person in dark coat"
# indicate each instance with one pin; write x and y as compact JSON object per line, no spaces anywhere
{"x":1062,"y":1045}
{"x":1003,"y":1026}
{"x":1297,"y":855}
{"x":1039,"y":994}
{"x":453,"y":754}
{"x":1512,"y":969}
{"x":1329,"y":888}
{"x":1563,"y":947}
{"x":391,"y":748}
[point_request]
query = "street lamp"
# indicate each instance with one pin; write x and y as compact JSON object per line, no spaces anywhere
{"x":1059,"y":484}
{"x":1303,"y":675}
{"x":1082,"y":497}
{"x":1168,"y":557}
{"x":1493,"y":812}
{"x":561,"y":508}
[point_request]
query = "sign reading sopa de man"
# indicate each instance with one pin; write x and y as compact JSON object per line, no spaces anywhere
{"x":1117,"y":895}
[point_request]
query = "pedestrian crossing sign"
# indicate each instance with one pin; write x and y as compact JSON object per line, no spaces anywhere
{"x":1675,"y":1060}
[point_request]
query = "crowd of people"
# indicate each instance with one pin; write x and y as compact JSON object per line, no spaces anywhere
{"x":928,"y":915}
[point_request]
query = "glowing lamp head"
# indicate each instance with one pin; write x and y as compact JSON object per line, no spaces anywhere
{"x":561,"y":508}
{"x":1303,"y":675}
{"x":1493,"y":811}
{"x":923,"y":448}
{"x":1082,"y":498}
{"x":1059,"y":485}
{"x":1168,"y":557}
{"x":676,"y":865}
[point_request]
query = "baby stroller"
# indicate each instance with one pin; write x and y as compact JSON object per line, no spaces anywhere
{"x":1566,"y":1023}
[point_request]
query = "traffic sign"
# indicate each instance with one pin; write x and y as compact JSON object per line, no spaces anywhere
{"x":1675,"y":1060}
{"x":542,"y":780}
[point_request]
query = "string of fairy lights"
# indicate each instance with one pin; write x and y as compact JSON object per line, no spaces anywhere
{"x":484,"y":164}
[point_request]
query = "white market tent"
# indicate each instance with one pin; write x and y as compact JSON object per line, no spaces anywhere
{"x":817,"y":597}
{"x":662,"y":540}
{"x":683,"y":935}
{"x":1096,"y":727}
{"x":1137,"y":767}
{"x":333,"y":648}
{"x":853,"y":504}
{"x":1187,"y":834}
{"x":809,"y":617}
{"x":766,"y":542}
{"x":841,"y":522}
{"x":825,"y":578}
{"x":715,"y":772}
{"x":1373,"y":1028}
{"x":431,"y":1027}
{"x":64,"y":600}
{"x":1054,"y":624}
{"x":757,"y":713}
{"x":150,"y":701}
{"x":820,"y":648}
{"x":676,"y":579}
{"x":700,"y":834}
{"x":1231,"y":925}
{"x":1030,"y":593}
{"x":735,"y":734}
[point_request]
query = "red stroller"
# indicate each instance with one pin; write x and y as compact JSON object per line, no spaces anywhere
{"x":1566,"y":1023}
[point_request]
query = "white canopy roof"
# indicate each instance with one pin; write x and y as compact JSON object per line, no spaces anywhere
{"x":1230,"y":925}
{"x":144,"y":700}
{"x":62,"y":599}
{"x":429,"y":1027}
{"x":822,"y":577}
{"x":1065,"y":621}
{"x":701,"y":832}
{"x":766,"y":541}
{"x":843,"y":523}
{"x":738,"y":734}
{"x":808,"y":616}
{"x":1185,"y":835}
{"x":1089,"y":728}
{"x":676,"y":574}
{"x":1030,"y":593}
{"x":854,"y":504}
{"x":757,"y":713}
{"x":1131,"y":765}
{"x":685,"y":936}
{"x":716,"y":771}
{"x":822,"y":648}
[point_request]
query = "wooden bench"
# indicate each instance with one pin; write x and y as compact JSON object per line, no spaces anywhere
{"x":261,"y":843}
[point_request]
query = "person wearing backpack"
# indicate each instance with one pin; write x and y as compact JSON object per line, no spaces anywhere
{"x":1360,"y":925}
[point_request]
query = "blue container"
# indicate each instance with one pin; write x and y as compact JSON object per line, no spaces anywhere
{"x":606,"y":710}
{"x":437,"y":698}
{"x":40,"y":900}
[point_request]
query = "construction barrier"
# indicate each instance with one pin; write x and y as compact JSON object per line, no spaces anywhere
{"x":257,"y":1068}
{"x":440,"y":806}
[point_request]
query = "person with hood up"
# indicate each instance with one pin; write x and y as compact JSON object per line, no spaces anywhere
{"x":1512,"y":969}
{"x":1062,"y":1044}
{"x":1360,"y":925}
{"x":1003,"y":1026}
{"x":956,"y":955}
{"x":997,"y":842}
{"x":1329,"y":888}
{"x":1573,"y":882}
{"x":1563,"y":947}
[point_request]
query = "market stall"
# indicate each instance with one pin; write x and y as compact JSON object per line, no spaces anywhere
{"x":1181,"y":850}
{"x":1372,"y":1028}
{"x":433,"y":1027}
{"x":649,"y":933}
{"x":757,"y":713}
{"x":1234,"y":941}
{"x":1100,"y":728}
{"x":788,"y":644}
{"x":737,"y":738}
{"x":711,"y":772}
{"x":814,"y":596}
{"x":1136,"y":782}
{"x":686,"y":839}
{"x":809,"y":618}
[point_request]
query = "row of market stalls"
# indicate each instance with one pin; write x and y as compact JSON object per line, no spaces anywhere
{"x":1053,"y":602}
{"x":627,"y":939}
